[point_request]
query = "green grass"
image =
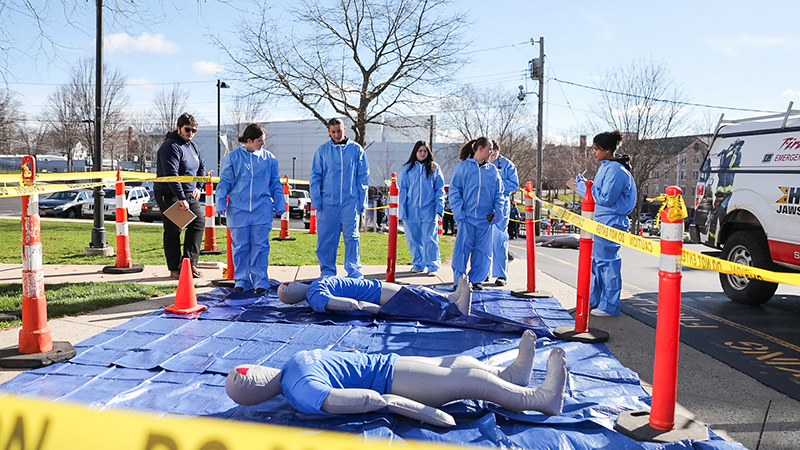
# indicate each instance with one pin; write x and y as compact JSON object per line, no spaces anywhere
{"x":70,"y":299}
{"x":63,"y":243}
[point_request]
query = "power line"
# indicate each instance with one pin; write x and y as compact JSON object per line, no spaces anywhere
{"x":701,"y":105}
{"x":498,"y":48}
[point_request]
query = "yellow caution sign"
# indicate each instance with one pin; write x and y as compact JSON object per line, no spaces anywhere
{"x":41,"y":425}
{"x":653,"y":247}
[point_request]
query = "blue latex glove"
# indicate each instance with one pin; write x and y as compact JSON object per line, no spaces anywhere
{"x":496,"y":218}
{"x":579,"y":178}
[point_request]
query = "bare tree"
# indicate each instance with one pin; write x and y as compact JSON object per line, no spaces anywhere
{"x":168,"y":104}
{"x":358,"y":58}
{"x":246,"y":109}
{"x":69,"y":111}
{"x":497,"y":114}
{"x":9,"y":121}
{"x":643,"y":102}
{"x":30,"y":138}
{"x":61,"y":116}
{"x":47,"y":18}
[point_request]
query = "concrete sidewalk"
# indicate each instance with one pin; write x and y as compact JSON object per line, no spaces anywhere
{"x":734,"y":405}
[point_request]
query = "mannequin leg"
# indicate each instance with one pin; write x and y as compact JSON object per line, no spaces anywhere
{"x":519,"y":372}
{"x":435,"y":386}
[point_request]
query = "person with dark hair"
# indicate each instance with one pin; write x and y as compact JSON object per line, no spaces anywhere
{"x":508,"y":173}
{"x":338,"y":185}
{"x":476,"y":192}
{"x":331,"y":382}
{"x":421,"y":186}
{"x":249,"y":190}
{"x":178,"y":156}
{"x":614,"y":192}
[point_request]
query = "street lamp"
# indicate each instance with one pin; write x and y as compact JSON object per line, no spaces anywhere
{"x":294,"y":158}
{"x":220,"y":85}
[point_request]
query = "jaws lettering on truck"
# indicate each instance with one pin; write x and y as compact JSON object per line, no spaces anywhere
{"x":786,"y":204}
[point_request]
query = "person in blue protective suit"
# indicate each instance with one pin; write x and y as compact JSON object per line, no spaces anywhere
{"x":476,"y":193}
{"x":331,"y":382}
{"x":341,"y":294}
{"x":248,"y":191}
{"x":614,"y":193}
{"x":338,"y":183}
{"x":508,"y":173}
{"x":422,"y":195}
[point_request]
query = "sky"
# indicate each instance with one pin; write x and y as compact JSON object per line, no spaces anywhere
{"x":729,"y":56}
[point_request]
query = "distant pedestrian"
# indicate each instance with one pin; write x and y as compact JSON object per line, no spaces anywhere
{"x":476,"y":200}
{"x":179,"y":156}
{"x":513,"y":216}
{"x":251,"y":179}
{"x":421,"y":205}
{"x":448,"y":223}
{"x":380,"y":213}
{"x":339,"y":182}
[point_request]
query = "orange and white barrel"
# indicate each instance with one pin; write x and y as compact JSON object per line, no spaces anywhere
{"x":34,"y":337}
{"x":123,"y":238}
{"x":210,"y":237}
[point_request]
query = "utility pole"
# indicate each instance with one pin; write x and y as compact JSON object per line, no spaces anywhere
{"x":430,"y":141}
{"x":539,"y":132}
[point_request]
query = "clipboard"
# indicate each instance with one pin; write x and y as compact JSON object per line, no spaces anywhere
{"x":179,"y":217}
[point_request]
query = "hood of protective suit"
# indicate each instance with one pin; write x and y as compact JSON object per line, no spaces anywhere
{"x":625,"y":160}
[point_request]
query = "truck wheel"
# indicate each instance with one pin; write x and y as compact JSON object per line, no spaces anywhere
{"x":749,"y":248}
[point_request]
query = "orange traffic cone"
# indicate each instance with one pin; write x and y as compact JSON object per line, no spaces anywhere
{"x":185,"y":296}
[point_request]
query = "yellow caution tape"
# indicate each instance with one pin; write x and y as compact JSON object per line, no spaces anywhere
{"x":73,"y":176}
{"x":42,"y":425}
{"x":688,"y":258}
{"x":15,"y":191}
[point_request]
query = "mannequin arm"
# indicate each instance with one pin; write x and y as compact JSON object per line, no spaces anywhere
{"x":416,"y":410}
{"x":349,"y":304}
{"x":352,"y":401}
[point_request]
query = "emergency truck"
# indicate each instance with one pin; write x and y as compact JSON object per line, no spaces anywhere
{"x":747,"y":200}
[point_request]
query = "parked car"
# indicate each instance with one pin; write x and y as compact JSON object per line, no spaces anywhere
{"x":64,"y":204}
{"x":649,"y":226}
{"x":298,"y":199}
{"x":150,"y":211}
{"x":135,"y":197}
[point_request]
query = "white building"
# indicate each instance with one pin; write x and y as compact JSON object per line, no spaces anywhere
{"x":294,"y":143}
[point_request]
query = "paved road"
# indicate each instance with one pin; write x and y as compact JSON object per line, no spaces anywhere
{"x":762,"y":341}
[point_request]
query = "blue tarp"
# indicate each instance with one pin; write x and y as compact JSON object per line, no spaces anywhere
{"x":169,"y":363}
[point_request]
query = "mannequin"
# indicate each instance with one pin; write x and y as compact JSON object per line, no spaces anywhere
{"x":327,"y":382}
{"x":326,"y":294}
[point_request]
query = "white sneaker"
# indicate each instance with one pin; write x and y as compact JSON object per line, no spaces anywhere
{"x":433,"y":274}
{"x":415,"y":270}
{"x":600,"y":313}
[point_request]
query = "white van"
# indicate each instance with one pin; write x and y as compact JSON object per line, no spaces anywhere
{"x":747,"y":200}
